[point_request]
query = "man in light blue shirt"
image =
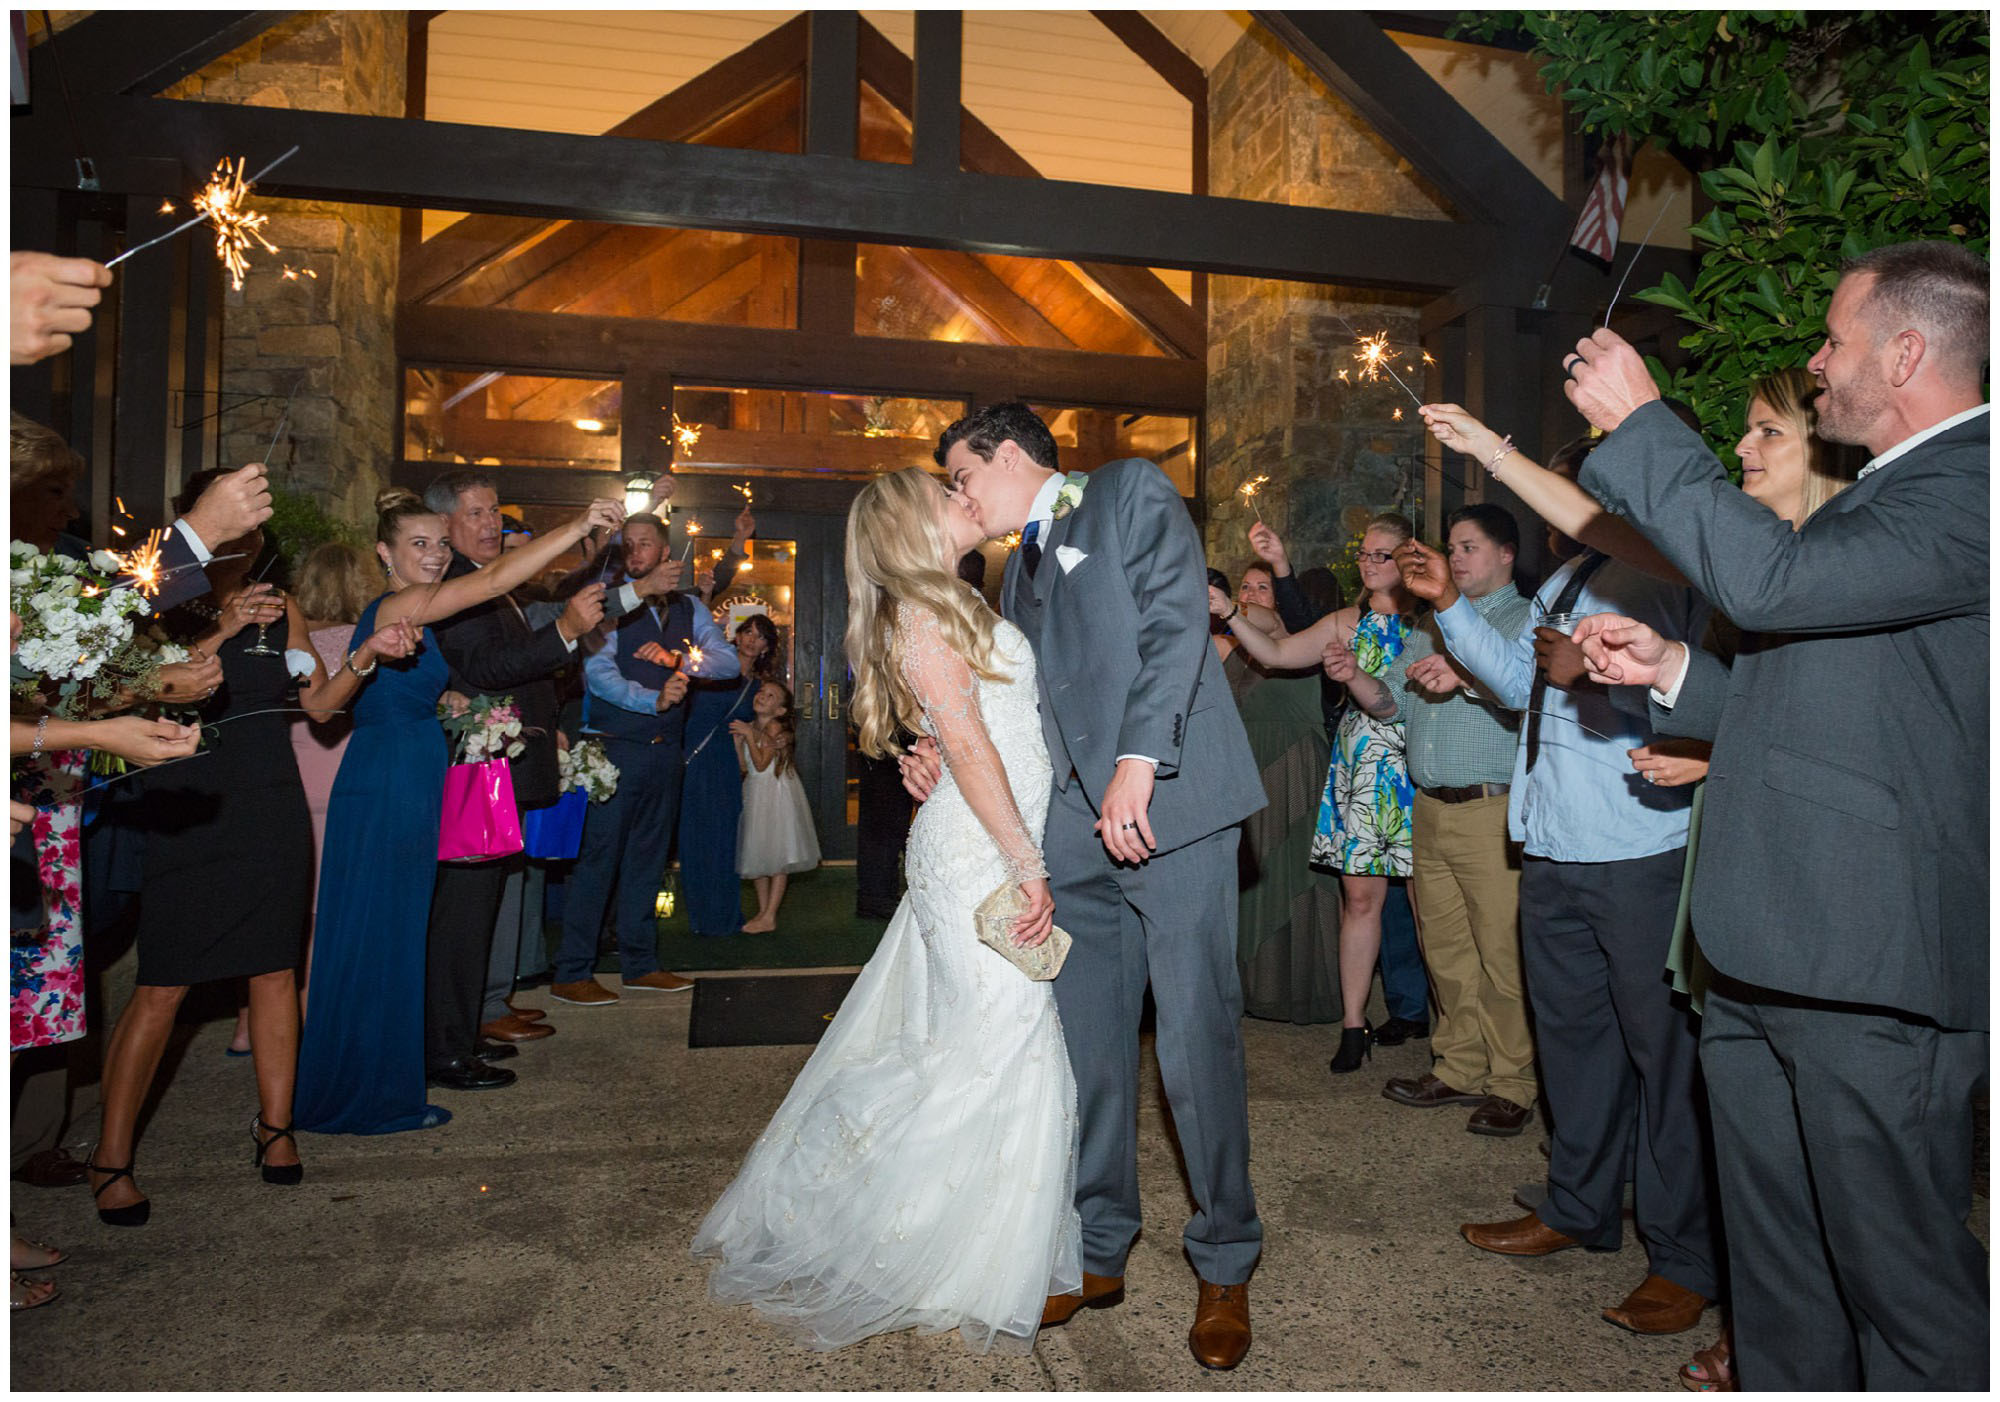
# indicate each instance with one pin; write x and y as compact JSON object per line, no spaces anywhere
{"x":1600,"y":881}
{"x":636,"y":685}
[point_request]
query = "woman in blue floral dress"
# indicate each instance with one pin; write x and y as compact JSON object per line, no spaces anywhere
{"x":1364,"y":815}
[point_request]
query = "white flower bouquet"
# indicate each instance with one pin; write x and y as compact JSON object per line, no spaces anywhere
{"x":79,"y":645}
{"x":585,"y":766}
{"x":488,"y":728}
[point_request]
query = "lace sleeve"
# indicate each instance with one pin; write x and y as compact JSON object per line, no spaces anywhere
{"x":949,"y":693}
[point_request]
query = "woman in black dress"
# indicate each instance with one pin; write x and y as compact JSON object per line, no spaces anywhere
{"x":228,"y":862}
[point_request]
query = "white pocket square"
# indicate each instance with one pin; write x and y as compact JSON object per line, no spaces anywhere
{"x":1069,"y":557}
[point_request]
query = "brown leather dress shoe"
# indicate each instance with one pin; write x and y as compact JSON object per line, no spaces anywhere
{"x":659,"y":981}
{"x":1524,"y":1236}
{"x":1221,"y":1333}
{"x":1499,"y":1116}
{"x":585,"y":992}
{"x":1100,"y":1292}
{"x":1427,"y":1092}
{"x":514,"y":1029}
{"x":1659,"y":1306}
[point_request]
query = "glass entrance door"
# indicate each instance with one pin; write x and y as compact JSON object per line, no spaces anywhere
{"x":796,"y":570}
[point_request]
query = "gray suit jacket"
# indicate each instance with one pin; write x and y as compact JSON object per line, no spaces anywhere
{"x":1843,"y":851}
{"x":1121,"y":639}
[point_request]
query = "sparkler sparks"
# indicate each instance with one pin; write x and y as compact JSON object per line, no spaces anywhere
{"x":142,"y":563}
{"x":749,"y":497}
{"x":686,"y":435}
{"x":693,"y":530}
{"x":220,"y":203}
{"x":1248,"y":491}
{"x":1376,"y":358}
{"x":694,"y":657}
{"x":292,"y":274}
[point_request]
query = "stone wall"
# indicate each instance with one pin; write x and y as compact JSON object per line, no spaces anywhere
{"x":1335,"y":450}
{"x":329,"y":331}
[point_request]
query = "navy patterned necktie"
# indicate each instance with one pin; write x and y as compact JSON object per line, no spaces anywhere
{"x":1031,"y":550}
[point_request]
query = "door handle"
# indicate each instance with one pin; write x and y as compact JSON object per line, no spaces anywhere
{"x":833,"y":702}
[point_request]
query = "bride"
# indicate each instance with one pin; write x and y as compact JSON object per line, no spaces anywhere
{"x":920,"y":1172}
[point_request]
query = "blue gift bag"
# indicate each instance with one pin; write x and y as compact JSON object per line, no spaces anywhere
{"x":555,"y":833}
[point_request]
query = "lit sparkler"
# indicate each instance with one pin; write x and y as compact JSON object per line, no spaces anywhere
{"x":220,"y":204}
{"x":292,"y":274}
{"x":749,"y":497}
{"x":686,"y":435}
{"x":694,"y":657}
{"x":693,"y":530}
{"x":1375,"y":357}
{"x":1248,"y":491}
{"x":143,"y":563}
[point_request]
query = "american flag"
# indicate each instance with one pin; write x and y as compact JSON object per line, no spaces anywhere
{"x":1596,"y":232}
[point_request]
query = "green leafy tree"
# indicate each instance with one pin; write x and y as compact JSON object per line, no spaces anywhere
{"x":1816,"y":136}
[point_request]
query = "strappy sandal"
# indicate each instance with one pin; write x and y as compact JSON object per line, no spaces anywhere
{"x":1709,"y":1370}
{"x":28,"y":1292}
{"x":285,"y":1175}
{"x":132,"y":1214}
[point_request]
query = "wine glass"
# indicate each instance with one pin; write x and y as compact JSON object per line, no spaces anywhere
{"x":260,"y":648}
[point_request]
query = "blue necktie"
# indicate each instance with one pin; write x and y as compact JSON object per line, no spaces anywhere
{"x":1031,"y":552}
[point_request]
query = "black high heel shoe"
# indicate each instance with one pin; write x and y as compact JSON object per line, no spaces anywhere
{"x":132,"y":1214}
{"x":1354,"y":1048}
{"x":285,"y":1175}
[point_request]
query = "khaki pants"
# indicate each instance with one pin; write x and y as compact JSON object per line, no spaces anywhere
{"x":1467,"y":886}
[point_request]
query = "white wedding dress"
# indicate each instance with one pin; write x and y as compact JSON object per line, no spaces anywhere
{"x":921,"y":1171}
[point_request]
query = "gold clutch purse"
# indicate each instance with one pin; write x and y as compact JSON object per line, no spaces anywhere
{"x":994,"y":921}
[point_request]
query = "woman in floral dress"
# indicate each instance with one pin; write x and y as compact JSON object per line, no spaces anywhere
{"x":1364,"y":816}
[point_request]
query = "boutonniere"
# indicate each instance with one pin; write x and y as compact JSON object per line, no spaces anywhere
{"x":1069,"y":496}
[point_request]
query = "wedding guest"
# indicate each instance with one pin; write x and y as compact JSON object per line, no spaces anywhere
{"x":636,"y":686}
{"x":334,"y":584}
{"x":227,"y":867}
{"x":1364,"y":817}
{"x":1288,"y":913}
{"x":775,"y":839}
{"x":1302,"y":600}
{"x":1601,"y":871}
{"x":493,"y":651}
{"x":712,"y":791}
{"x":361,"y":1063}
{"x":1846,"y":1027}
{"x":1467,"y":880}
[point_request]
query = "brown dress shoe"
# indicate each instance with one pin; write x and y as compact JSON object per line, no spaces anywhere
{"x":1221,"y":1333}
{"x":514,"y":1029}
{"x":586,"y":992}
{"x":1427,"y":1092}
{"x":52,"y":1168}
{"x":1499,"y":1116}
{"x":659,"y":981}
{"x":1658,"y":1306}
{"x":1100,"y":1292}
{"x":1524,"y":1236}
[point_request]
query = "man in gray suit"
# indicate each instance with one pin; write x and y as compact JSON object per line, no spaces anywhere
{"x":1153,"y":773}
{"x":1841,"y":888}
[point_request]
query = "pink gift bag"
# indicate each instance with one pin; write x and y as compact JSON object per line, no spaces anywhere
{"x":480,"y":822}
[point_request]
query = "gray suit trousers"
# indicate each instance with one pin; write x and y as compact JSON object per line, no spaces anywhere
{"x":1844,"y":1138}
{"x":1173,"y":922}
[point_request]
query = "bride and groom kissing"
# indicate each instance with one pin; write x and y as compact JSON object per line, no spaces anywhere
{"x":961,"y":1150}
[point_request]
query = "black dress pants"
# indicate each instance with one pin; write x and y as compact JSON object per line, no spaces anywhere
{"x":464,"y":904}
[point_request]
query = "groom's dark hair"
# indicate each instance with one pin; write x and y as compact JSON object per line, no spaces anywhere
{"x":986,"y":430}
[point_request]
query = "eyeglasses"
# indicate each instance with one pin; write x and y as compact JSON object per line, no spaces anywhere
{"x":1376,"y":557}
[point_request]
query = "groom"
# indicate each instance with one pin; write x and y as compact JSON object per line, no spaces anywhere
{"x":1152,"y":774}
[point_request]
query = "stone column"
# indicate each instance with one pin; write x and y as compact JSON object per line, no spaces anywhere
{"x":327,"y":327}
{"x":1336,"y":451}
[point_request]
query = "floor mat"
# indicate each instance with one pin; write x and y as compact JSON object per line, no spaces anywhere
{"x":766,"y":1009}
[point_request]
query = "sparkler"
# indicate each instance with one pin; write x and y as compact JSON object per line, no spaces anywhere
{"x":1374,"y":354}
{"x":693,"y":530}
{"x":694,"y":657}
{"x":220,"y":204}
{"x":686,"y":435}
{"x":142,"y":563}
{"x":1619,"y":290}
{"x":1248,"y":491}
{"x":749,"y":497}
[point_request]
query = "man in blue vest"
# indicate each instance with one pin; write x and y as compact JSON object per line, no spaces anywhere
{"x":636,"y":686}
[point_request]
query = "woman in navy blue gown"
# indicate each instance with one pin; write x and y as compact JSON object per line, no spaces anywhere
{"x":712,"y":790}
{"x":361,"y":1063}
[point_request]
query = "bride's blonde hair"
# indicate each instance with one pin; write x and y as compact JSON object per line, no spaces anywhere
{"x":899,"y":558}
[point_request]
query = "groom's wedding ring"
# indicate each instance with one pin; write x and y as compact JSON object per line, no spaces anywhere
{"x":1569,"y":366}
{"x":1128,"y":826}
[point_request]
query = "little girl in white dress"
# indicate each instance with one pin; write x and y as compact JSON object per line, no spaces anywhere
{"x":775,"y":836}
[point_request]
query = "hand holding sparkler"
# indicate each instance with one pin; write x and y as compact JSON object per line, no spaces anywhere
{"x":673,"y":691}
{"x":1248,"y":491}
{"x":1264,"y":542}
{"x":1426,"y":573}
{"x":664,"y":578}
{"x":192,"y":680}
{"x":746,"y":526}
{"x":583,"y":612}
{"x":1455,"y":428}
{"x":51,"y":299}
{"x":1608,"y":380}
{"x":233,"y":505}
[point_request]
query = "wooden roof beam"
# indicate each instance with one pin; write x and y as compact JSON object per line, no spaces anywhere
{"x":141,"y":52}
